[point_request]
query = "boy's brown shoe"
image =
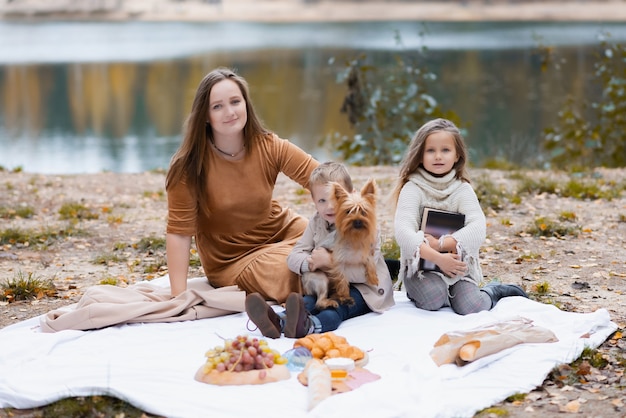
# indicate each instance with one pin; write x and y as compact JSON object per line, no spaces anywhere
{"x":298,"y":323}
{"x":263,"y":315}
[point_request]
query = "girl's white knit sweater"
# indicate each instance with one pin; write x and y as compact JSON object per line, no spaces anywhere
{"x":447,"y":193}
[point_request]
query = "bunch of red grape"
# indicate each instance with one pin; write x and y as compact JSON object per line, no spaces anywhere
{"x":242,"y":354}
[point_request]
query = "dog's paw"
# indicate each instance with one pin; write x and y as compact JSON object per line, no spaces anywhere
{"x":325,"y":304}
{"x":346,"y":301}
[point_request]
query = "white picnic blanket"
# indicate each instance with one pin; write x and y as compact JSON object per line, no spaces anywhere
{"x":152,"y":366}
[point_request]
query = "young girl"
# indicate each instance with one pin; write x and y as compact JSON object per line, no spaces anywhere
{"x":301,"y":315}
{"x":433,"y":174}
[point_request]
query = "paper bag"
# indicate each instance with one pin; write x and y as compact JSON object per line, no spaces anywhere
{"x":462,"y":347}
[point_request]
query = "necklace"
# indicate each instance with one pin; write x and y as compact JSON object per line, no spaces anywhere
{"x":228,"y":153}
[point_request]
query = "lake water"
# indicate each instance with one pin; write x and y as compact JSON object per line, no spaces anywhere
{"x":90,"y":97}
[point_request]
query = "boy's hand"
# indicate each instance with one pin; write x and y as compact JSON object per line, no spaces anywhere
{"x":320,"y":259}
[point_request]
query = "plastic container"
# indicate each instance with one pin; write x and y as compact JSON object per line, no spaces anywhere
{"x":297,"y":358}
{"x":339,"y":367}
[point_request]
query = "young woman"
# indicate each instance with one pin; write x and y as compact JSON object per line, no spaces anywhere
{"x":433,"y":174}
{"x":219,"y":190}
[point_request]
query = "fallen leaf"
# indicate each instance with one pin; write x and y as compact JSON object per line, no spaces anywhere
{"x":555,"y":395}
{"x":573,"y":407}
{"x":617,"y":403}
{"x":584,"y":368}
{"x":575,"y":266}
{"x":535,"y":396}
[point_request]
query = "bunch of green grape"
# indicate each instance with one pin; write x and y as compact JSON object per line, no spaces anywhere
{"x":242,"y":354}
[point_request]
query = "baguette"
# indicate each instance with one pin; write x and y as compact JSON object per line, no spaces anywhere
{"x":318,"y":381}
{"x":468,"y":351}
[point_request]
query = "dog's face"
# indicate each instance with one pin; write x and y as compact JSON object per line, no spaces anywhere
{"x":355,"y":213}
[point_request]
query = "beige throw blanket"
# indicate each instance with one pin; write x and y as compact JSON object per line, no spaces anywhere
{"x":105,"y":305}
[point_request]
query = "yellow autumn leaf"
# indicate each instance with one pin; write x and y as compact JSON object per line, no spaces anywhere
{"x":575,"y":266}
{"x":573,"y":406}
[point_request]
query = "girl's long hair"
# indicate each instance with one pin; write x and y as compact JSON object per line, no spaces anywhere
{"x":415,"y":153}
{"x":189,"y":163}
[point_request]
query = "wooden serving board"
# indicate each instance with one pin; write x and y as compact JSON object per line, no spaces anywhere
{"x":253,"y":377}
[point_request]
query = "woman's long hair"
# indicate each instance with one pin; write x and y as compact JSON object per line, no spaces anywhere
{"x":414,"y":155}
{"x":189,"y":163}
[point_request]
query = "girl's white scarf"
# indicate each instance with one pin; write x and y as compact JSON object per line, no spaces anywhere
{"x":436,"y":188}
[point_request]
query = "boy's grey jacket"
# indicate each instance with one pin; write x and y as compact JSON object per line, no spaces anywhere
{"x":318,"y":234}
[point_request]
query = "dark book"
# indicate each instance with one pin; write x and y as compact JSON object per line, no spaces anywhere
{"x":437,"y":222}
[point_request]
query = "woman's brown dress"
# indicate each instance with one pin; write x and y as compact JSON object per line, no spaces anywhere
{"x":248,"y":236}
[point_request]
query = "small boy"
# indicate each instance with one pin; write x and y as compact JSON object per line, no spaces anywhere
{"x":301,"y":317}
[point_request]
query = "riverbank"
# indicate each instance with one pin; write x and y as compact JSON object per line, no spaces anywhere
{"x":293,"y":11}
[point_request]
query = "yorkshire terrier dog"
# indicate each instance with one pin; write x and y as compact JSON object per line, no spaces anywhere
{"x":353,"y":245}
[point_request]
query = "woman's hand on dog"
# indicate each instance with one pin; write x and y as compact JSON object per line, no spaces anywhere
{"x":320,"y":259}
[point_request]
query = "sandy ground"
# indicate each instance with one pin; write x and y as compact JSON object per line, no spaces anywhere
{"x":118,"y":236}
{"x":316,"y":11}
{"x":115,"y":215}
